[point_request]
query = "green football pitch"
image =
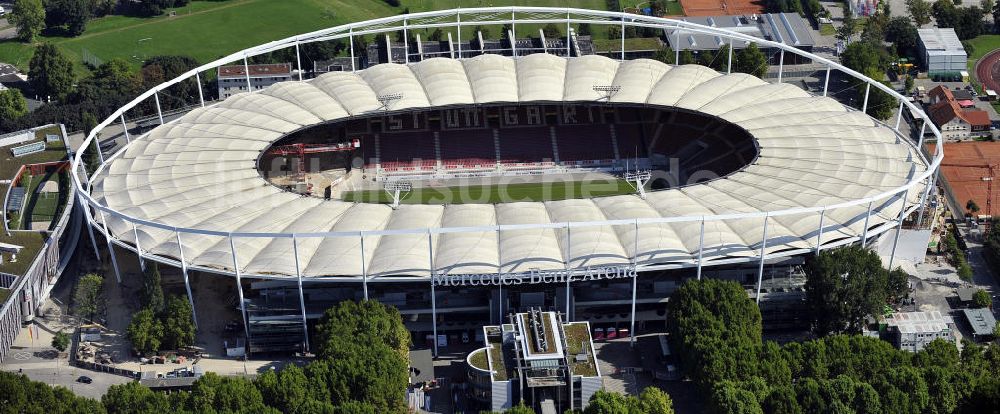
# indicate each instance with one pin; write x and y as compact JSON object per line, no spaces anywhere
{"x":498,"y":193}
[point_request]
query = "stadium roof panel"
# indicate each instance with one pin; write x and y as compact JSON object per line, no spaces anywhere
{"x":198,"y":172}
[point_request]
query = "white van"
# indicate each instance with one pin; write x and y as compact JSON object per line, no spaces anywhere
{"x":2,"y":11}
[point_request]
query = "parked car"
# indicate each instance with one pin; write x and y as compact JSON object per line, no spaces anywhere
{"x":84,"y":379}
{"x":2,"y":11}
{"x":598,"y":334}
{"x":612,"y":333}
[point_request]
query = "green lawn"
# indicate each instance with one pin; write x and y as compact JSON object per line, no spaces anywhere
{"x":827,"y":29}
{"x":207,"y":30}
{"x":32,"y":243}
{"x":674,"y":8}
{"x":502,"y":193}
{"x":577,"y":342}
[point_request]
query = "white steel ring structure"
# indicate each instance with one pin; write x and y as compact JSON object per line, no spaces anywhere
{"x":187,"y":193}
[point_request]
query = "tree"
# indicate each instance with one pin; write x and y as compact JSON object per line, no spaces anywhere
{"x":60,"y":341}
{"x":519,"y":409}
{"x":145,"y":331}
{"x":751,"y":60}
{"x":607,"y":402}
{"x":12,"y":104}
{"x":908,"y":84}
{"x":972,"y":207}
{"x":370,"y":372}
{"x":134,"y":398}
{"x":50,"y":72}
{"x":29,"y":17}
{"x":69,"y":15}
{"x":365,"y":322}
{"x":995,"y":11}
{"x":869,"y":58}
{"x":981,"y":299}
{"x":847,"y":27}
{"x":653,"y":400}
{"x":88,"y":298}
{"x":551,"y":31}
{"x":152,"y":291}
{"x":903,"y":36}
{"x":583,"y":30}
{"x":18,"y":394}
{"x":286,"y":389}
{"x":844,"y":286}
{"x":920,"y":11}
{"x":178,"y":324}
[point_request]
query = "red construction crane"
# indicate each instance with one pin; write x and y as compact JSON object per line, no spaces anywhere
{"x":300,"y":150}
{"x":991,"y":170}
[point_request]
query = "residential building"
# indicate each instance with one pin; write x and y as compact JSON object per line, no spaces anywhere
{"x":912,"y":331}
{"x":941,"y":51}
{"x":955,"y":122}
{"x":233,"y":79}
{"x":536,"y":359}
{"x":788,"y":28}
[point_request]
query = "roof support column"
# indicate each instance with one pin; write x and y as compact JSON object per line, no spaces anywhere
{"x":920,"y":139}
{"x":864,"y":235}
{"x":434,"y":319}
{"x":623,"y":39}
{"x":128,"y":140}
{"x":500,"y":275}
{"x":864,"y":106}
{"x":819,"y":234}
{"x":350,"y":38}
{"x":187,"y":282}
{"x":729,"y":66}
{"x":298,"y":59}
{"x":246,"y":71}
{"x":159,"y":112}
{"x":201,"y":95}
{"x":90,"y":224}
{"x":302,"y":297}
{"x":513,"y":34}
{"x":931,"y":183}
{"x":781,"y":64}
{"x":364,"y":268}
{"x":239,"y":288}
{"x":899,"y":115}
{"x":138,"y":248}
{"x":677,"y":46}
{"x":701,"y":245}
{"x":899,"y":227}
{"x":406,"y":45}
{"x":635,"y":278}
{"x":569,"y":52}
{"x":760,"y":269}
{"x":111,"y":248}
{"x":826,"y":83}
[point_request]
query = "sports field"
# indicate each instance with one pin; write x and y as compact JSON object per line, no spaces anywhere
{"x":498,"y":193}
{"x":206,"y":30}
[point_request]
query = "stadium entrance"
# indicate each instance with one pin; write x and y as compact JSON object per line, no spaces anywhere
{"x":507,"y":153}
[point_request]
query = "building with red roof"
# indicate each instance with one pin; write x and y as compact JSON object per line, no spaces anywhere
{"x":955,"y":123}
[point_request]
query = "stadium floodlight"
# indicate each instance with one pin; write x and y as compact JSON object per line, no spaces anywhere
{"x":397,"y":190}
{"x":388,"y":99}
{"x":638,"y":180}
{"x":607,"y":91}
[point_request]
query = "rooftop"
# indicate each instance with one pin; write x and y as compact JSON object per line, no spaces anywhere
{"x":940,"y":39}
{"x":270,"y":69}
{"x":981,"y":320}
{"x":788,"y":28}
{"x":918,"y":322}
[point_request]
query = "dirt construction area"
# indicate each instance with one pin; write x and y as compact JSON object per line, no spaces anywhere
{"x":964,"y":167}
{"x":721,"y":7}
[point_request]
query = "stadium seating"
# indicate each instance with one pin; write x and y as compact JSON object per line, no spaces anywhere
{"x":584,"y":142}
{"x":470,"y":149}
{"x":530,"y":145}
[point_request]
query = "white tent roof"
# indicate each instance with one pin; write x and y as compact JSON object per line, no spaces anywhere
{"x":198,"y":172}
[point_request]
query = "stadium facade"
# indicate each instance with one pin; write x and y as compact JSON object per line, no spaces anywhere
{"x":817,"y":175}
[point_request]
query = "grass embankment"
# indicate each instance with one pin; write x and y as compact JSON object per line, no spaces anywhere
{"x":207,"y":30}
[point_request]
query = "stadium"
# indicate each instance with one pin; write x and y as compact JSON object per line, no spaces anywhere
{"x":462,"y":188}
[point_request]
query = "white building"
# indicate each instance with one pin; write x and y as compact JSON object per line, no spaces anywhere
{"x":233,"y":79}
{"x":912,"y":331}
{"x":942,"y":51}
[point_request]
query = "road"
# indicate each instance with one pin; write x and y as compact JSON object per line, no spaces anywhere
{"x":7,"y":31}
